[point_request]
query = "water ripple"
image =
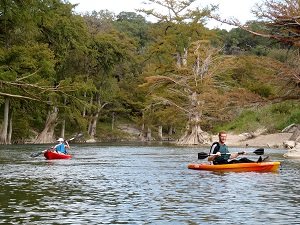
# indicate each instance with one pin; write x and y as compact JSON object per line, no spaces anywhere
{"x":141,"y":185}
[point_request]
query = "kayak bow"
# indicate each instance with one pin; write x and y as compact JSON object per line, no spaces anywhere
{"x":55,"y":155}
{"x":237,"y":167}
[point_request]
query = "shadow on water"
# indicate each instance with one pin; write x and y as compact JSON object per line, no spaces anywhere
{"x":131,"y":184}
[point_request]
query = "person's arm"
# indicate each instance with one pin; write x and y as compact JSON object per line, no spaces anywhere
{"x":212,"y":157}
{"x":67,"y":145}
{"x":214,"y":151}
{"x":55,"y":148}
{"x":235,"y":155}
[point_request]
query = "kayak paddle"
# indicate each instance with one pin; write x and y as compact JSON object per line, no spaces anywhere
{"x":203,"y":155}
{"x":77,"y":136}
{"x":36,"y":154}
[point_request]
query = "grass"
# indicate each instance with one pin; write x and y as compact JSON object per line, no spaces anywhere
{"x":273,"y":117}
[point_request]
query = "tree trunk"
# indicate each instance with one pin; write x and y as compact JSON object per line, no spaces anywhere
{"x":4,"y":130}
{"x":184,"y":58}
{"x":84,"y":108}
{"x":113,"y":121}
{"x":160,"y":132}
{"x":170,"y":131}
{"x":94,"y":119}
{"x":149,"y":134}
{"x":9,"y":135}
{"x":91,"y":118}
{"x":141,"y":135}
{"x":47,"y":135}
{"x":194,"y":134}
{"x":63,"y":123}
{"x":93,"y":125}
{"x":63,"y":128}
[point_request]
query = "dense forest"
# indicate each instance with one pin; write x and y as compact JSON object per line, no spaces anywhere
{"x":63,"y":73}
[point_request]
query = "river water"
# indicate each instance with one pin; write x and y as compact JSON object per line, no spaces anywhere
{"x":132,"y":184}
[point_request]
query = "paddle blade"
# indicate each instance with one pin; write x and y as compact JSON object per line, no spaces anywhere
{"x":36,"y":154}
{"x":259,"y":151}
{"x":202,"y":155}
{"x":77,"y":136}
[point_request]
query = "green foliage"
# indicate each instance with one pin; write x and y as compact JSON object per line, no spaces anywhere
{"x":25,"y":114}
{"x":255,"y":74}
{"x":246,"y":121}
{"x":134,"y":26}
{"x":109,"y":50}
{"x":106,"y":133}
{"x":22,"y":131}
{"x":99,"y":61}
{"x":261,"y":89}
{"x":24,"y":60}
{"x":239,"y":41}
{"x":274,"y":117}
{"x":278,"y":54}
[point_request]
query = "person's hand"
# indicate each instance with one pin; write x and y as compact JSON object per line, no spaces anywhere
{"x":218,"y":154}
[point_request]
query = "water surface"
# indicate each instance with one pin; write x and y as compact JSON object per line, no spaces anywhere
{"x":131,"y":184}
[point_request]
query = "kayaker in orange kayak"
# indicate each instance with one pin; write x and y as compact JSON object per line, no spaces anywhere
{"x":221,"y":155}
{"x":61,"y":146}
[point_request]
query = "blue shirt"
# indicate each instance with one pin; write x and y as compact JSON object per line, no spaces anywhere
{"x":60,"y":148}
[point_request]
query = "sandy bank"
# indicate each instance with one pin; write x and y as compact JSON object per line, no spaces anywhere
{"x":264,"y":140}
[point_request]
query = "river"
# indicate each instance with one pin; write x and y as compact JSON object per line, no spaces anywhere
{"x":148,"y":184}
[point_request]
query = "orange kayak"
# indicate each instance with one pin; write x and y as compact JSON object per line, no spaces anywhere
{"x":238,"y":167}
{"x":55,"y":155}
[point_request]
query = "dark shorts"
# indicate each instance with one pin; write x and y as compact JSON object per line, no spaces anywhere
{"x":242,"y":160}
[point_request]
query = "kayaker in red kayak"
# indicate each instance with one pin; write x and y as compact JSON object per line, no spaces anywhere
{"x":221,"y":155}
{"x":62,"y":146}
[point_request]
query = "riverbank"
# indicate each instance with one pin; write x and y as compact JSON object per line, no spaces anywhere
{"x":260,"y":140}
{"x":254,"y":139}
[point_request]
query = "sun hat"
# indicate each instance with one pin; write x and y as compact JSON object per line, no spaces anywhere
{"x":60,"y":140}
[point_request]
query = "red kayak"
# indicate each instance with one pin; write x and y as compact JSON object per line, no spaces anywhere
{"x":56,"y":155}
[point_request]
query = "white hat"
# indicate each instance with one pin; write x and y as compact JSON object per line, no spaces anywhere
{"x":60,"y":140}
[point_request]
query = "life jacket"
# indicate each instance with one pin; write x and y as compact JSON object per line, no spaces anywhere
{"x":223,"y":158}
{"x":61,"y":148}
{"x":216,"y":149}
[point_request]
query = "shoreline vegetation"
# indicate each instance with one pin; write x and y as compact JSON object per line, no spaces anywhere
{"x":255,"y":139}
{"x":173,"y":79}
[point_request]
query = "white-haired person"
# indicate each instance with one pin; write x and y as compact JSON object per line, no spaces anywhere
{"x":62,"y":146}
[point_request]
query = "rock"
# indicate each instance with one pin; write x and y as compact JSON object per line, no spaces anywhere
{"x":293,"y":149}
{"x":91,"y":140}
{"x":290,"y":128}
{"x":295,"y":129}
{"x":292,"y":145}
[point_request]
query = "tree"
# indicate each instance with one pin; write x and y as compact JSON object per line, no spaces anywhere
{"x":36,"y":41}
{"x":278,"y":20}
{"x":177,"y":67}
{"x":112,"y":56}
{"x":67,"y":37}
{"x":24,"y":64}
{"x":239,"y":41}
{"x":135,"y":26}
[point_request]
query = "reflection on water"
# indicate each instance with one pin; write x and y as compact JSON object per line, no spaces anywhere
{"x":140,"y":185}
